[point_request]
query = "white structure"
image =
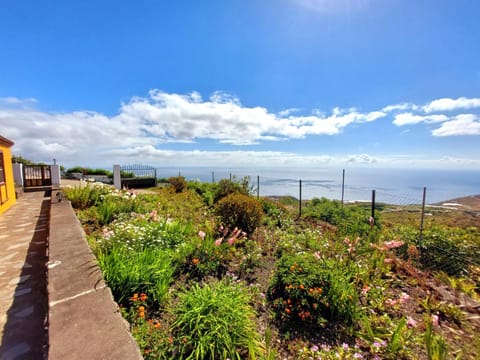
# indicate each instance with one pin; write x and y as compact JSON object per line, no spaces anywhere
{"x":117,"y":180}
{"x":18,"y":174}
{"x":55,"y":174}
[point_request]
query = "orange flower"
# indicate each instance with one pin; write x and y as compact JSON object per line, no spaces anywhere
{"x":135,"y":297}
{"x":141,"y":314}
{"x":156,"y":325}
{"x":287,"y":310}
{"x":301,"y":287}
{"x":195,"y":261}
{"x":141,"y":308}
{"x":143,"y":296}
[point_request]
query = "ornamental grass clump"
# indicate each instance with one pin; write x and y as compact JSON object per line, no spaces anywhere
{"x":86,"y":195}
{"x":216,"y":321}
{"x":147,"y":271}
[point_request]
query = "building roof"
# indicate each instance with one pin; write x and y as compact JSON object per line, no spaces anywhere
{"x":6,"y":142}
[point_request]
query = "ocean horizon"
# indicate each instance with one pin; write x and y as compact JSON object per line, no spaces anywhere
{"x":393,"y":186}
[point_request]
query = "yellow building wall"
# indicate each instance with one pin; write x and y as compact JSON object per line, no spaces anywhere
{"x":7,"y":189}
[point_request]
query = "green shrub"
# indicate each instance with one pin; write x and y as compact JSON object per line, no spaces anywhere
{"x":205,"y":190}
{"x":451,"y":250}
{"x":216,"y":321}
{"x":226,"y":187}
{"x":241,"y":211}
{"x":352,"y":220}
{"x":275,"y":213}
{"x":178,"y":183}
{"x":306,"y":291}
{"x":127,"y":272}
{"x":203,"y":259}
{"x":448,"y":249}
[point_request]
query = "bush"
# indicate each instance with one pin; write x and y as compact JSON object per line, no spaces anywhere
{"x":450,"y":250}
{"x":351,"y":220}
{"x":178,"y":183}
{"x":241,"y":211}
{"x":276,"y":214}
{"x":205,"y":190}
{"x":308,"y":291}
{"x":204,"y":259}
{"x":216,"y":322}
{"x":226,"y":187}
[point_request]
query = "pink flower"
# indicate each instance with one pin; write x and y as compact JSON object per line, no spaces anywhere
{"x":411,"y":323}
{"x":391,"y":302}
{"x":435,"y":320}
{"x":404,"y":298}
{"x":393,"y":244}
{"x":201,"y":234}
{"x":317,"y":254}
{"x":231,"y":241}
{"x":218,"y":241}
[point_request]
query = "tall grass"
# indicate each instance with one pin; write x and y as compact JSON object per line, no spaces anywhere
{"x":83,"y":197}
{"x":127,"y":272}
{"x":215,"y":321}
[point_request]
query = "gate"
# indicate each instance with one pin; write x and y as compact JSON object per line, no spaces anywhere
{"x":137,"y":176}
{"x":36,"y":175}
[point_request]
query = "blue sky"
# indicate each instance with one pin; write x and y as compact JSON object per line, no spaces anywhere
{"x":306,"y":83}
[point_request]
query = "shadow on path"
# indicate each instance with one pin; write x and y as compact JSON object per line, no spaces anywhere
{"x":25,"y":331}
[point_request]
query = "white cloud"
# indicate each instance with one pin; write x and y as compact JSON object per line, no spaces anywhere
{"x":162,"y":118}
{"x":448,"y":104}
{"x":464,"y":124}
{"x":411,"y":119}
{"x":400,"y":107}
{"x":361,"y":159}
{"x":144,"y":124}
{"x":288,"y":112}
{"x":12,"y":101}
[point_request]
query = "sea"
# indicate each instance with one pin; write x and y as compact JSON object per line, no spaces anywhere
{"x":392,"y":186}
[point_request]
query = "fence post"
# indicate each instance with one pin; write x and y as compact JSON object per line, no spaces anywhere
{"x":258,"y":187}
{"x":423,"y":213}
{"x":230,"y":176}
{"x":343,"y":185}
{"x":213,"y":177}
{"x":300,"y":202}
{"x":373,"y":205}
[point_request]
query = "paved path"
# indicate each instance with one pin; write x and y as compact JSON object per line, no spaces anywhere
{"x":23,"y":295}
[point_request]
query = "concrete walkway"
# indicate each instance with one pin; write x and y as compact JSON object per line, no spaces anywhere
{"x":53,"y":301}
{"x":23,"y":288}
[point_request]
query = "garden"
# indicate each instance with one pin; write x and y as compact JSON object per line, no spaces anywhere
{"x":209,"y":271}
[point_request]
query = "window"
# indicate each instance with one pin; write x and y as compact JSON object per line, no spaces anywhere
{"x":2,"y":169}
